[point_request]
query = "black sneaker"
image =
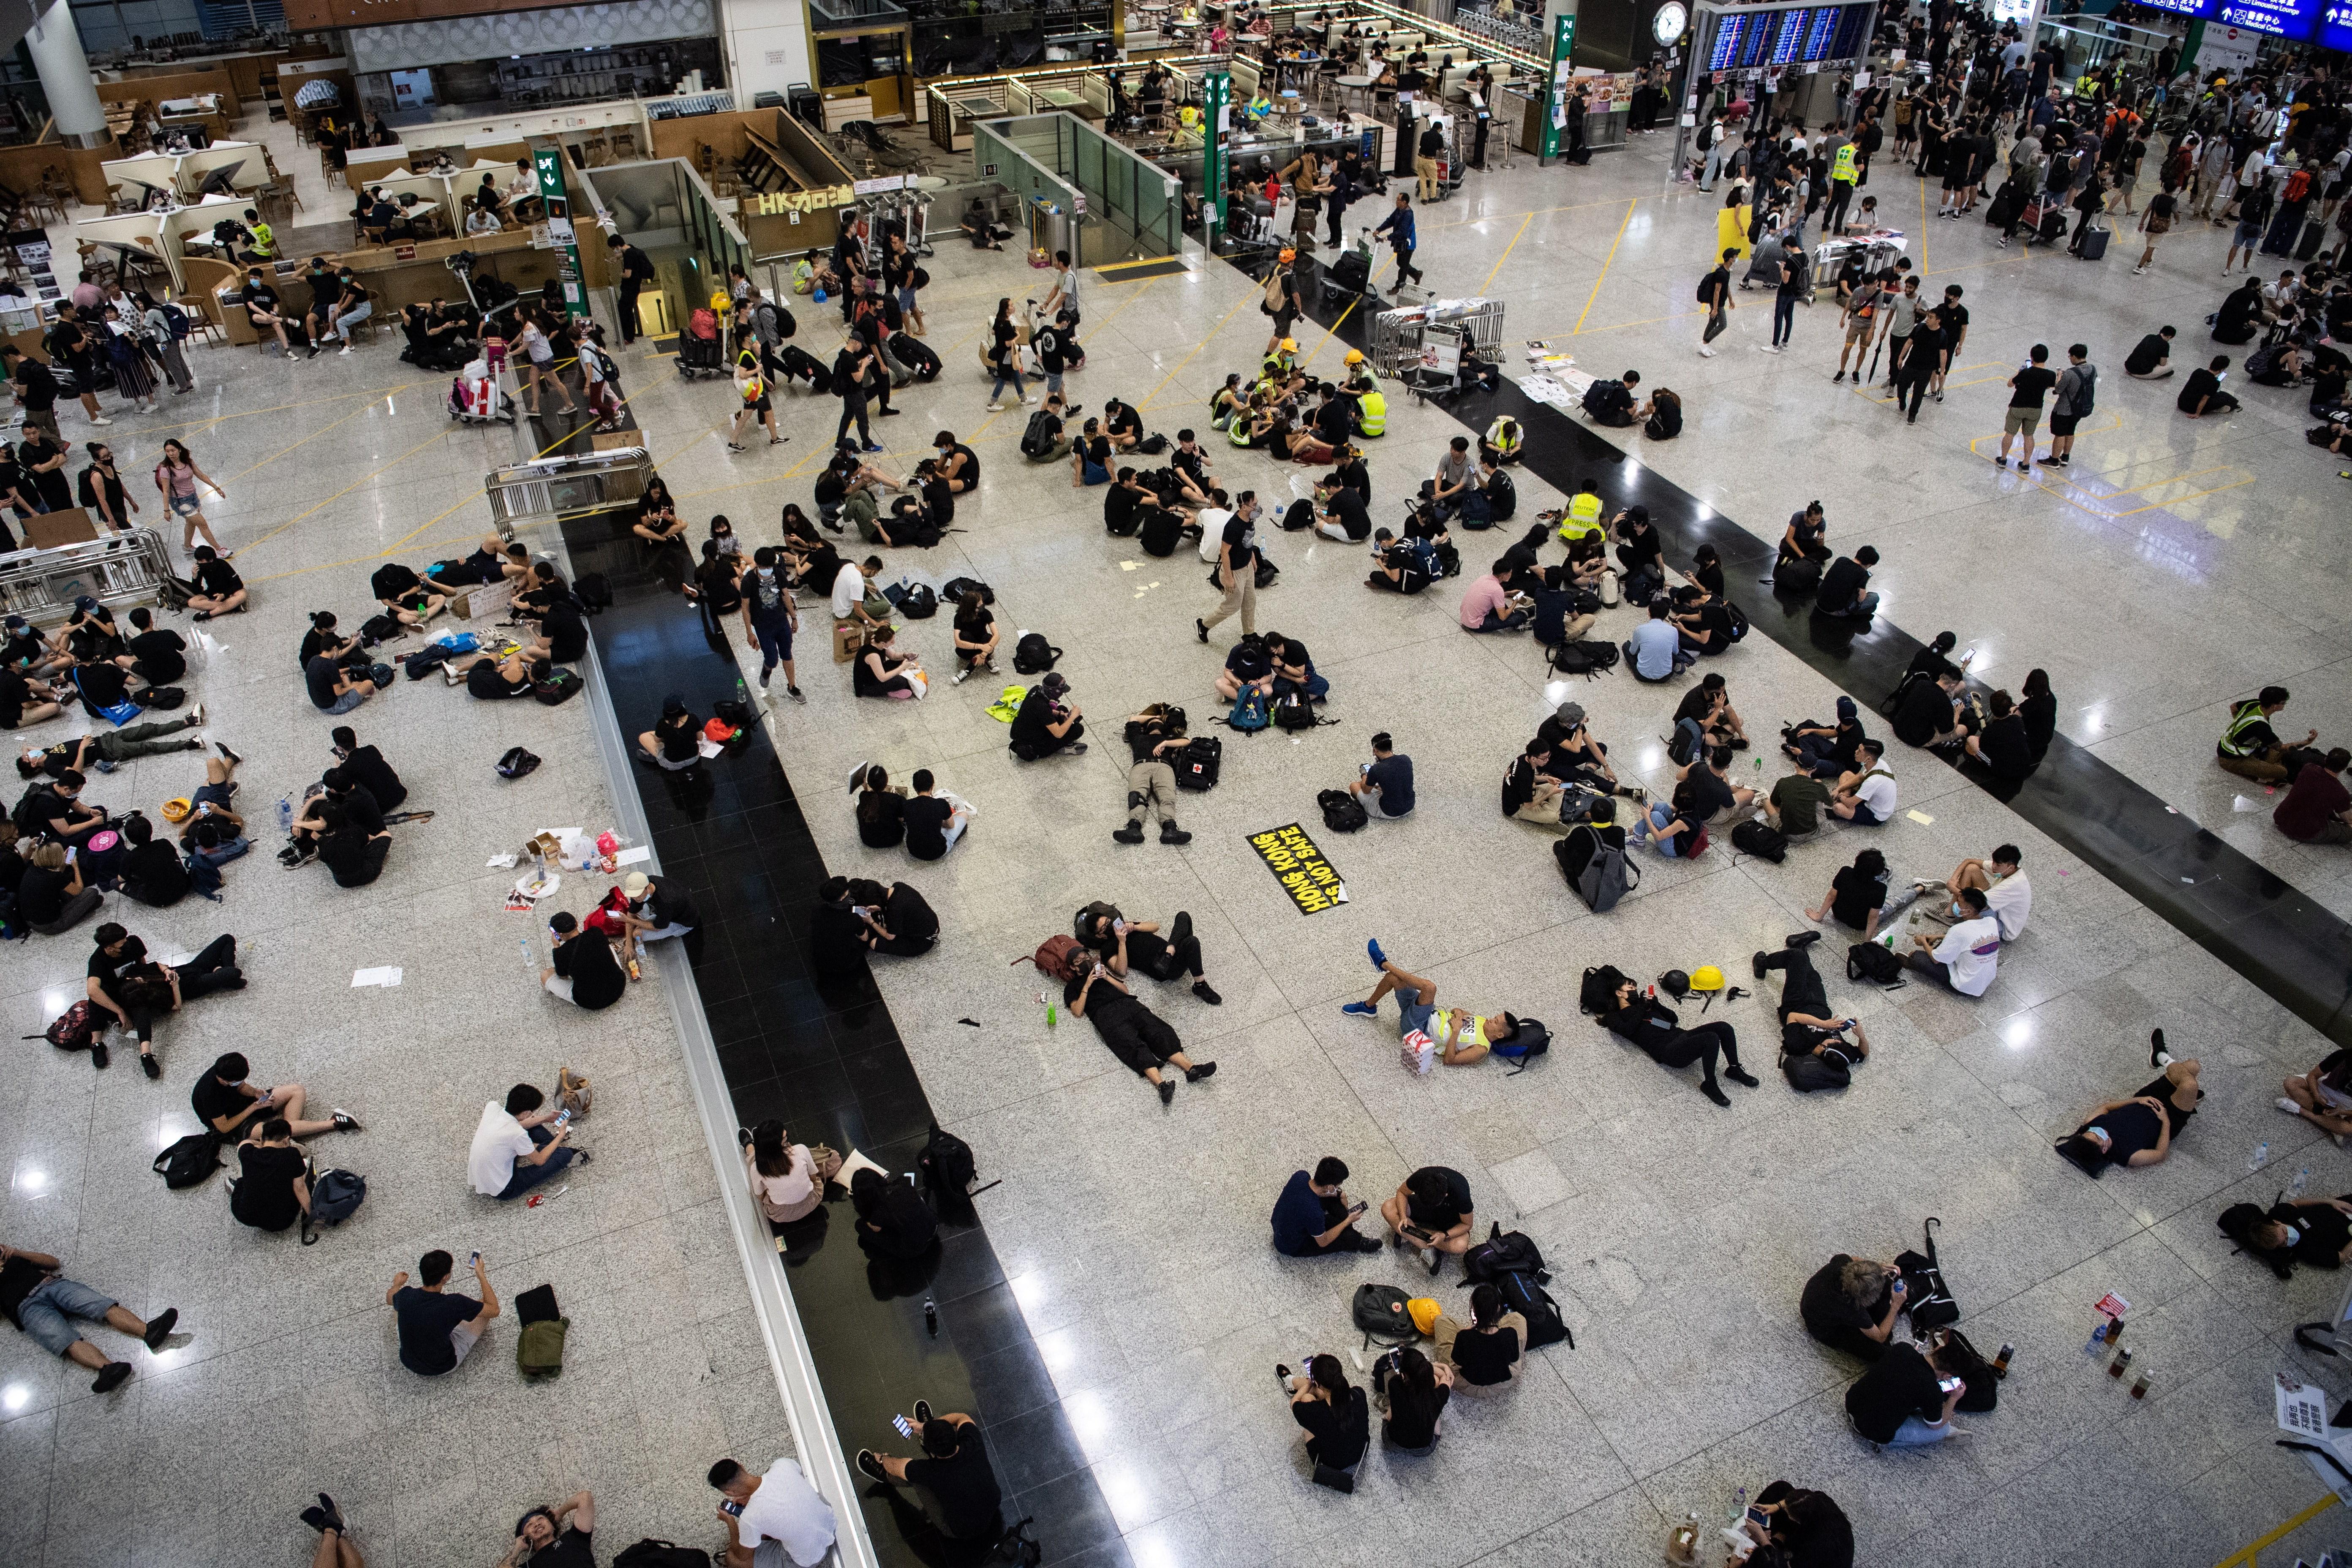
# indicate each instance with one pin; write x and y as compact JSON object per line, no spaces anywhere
{"x":159,"y":1328}
{"x":1201,"y":627}
{"x":99,"y":1055}
{"x":150,"y":1066}
{"x":870,"y":1466}
{"x":111,"y":1376}
{"x":922,"y":1413}
{"x":1800,"y":939}
{"x":1207,"y":993}
{"x":334,"y":1514}
{"x":1715,"y":1093}
{"x":795,"y":693}
{"x":1076,"y":748}
{"x":1282,"y":1374}
{"x":1200,"y":1070}
{"x":1172,"y":833}
{"x":1740,"y":1075}
{"x":742,"y":1137}
{"x":2156,"y":1055}
{"x":1167,"y":1090}
{"x":1757,"y":963}
{"x":1363,"y":1243}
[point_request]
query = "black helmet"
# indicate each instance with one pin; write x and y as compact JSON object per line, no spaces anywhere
{"x":1675,"y":983}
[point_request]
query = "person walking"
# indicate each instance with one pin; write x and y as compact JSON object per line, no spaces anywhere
{"x":1714,"y":294}
{"x":637,"y":271}
{"x":1918,"y":361}
{"x":851,"y":368}
{"x":1236,"y":563}
{"x":1004,"y":358}
{"x":1399,"y":226}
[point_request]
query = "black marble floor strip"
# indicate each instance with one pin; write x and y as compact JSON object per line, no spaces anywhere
{"x":2298,"y":951}
{"x":829,"y":1061}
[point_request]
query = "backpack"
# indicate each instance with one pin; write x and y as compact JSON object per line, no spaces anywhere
{"x":652,"y":1553}
{"x":1380,"y":1311}
{"x":560,"y":686}
{"x":1249,"y":714}
{"x":177,"y":320}
{"x":191,"y":1162}
{"x":1872,"y":962}
{"x":1299,"y":514}
{"x":1033,"y":440}
{"x":539,"y":1349}
{"x":336,"y":1195}
{"x":1198,"y":766}
{"x":1524,"y":1294}
{"x":1502,"y":496}
{"x":1761,"y":839}
{"x":1808,"y":1073}
{"x":1926,"y":1296}
{"x":1597,"y":994}
{"x":593,"y":591}
{"x":1033,"y":654}
{"x":1801,"y":575}
{"x":947,"y":1163}
{"x":1589,"y":660}
{"x":1608,"y":877}
{"x":425,"y":660}
{"x":1512,"y":1252}
{"x":1342,"y":812}
{"x":919,"y":603}
{"x":1682,"y":747}
{"x":1056,"y":958}
{"x":1739,"y":619}
{"x":955,"y":588}
{"x":1965,"y":1362}
{"x":1533,"y":1040}
{"x":71,"y":1030}
{"x":1292,"y":710}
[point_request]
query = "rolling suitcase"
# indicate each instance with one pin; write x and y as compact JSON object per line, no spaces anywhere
{"x":2314,"y":234}
{"x":2094,"y":244}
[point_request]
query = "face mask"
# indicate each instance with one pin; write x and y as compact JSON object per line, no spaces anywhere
{"x":2294,"y":1235}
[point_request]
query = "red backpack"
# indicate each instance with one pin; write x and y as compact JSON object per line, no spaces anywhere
{"x":1056,"y":958}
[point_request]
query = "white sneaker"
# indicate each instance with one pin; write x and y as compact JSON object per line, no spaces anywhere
{"x":1032,"y":402}
{"x":346,"y":348}
{"x":2289,"y":1106}
{"x":96,"y":419}
{"x":1705,"y":352}
{"x":996,"y":408}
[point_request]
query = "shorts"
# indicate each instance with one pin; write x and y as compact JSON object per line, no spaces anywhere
{"x":906,"y":300}
{"x":1857,"y":328}
{"x":761,"y":406}
{"x":184,"y":506}
{"x":46,"y":1314}
{"x":1865,"y":818}
{"x":352,"y":699}
{"x":2247,"y":235}
{"x":2064,"y":423}
{"x":1414,"y":1015}
{"x":220,"y":794}
{"x":2022,"y":422}
{"x":463,"y":1338}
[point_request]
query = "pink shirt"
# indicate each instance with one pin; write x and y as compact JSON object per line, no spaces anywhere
{"x":1484,"y":595}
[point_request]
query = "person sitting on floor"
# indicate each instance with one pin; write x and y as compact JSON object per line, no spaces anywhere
{"x":519,"y":1144}
{"x":1047,"y":726}
{"x":1931,"y":714}
{"x":1809,"y":1528}
{"x":1248,"y":668}
{"x":1135,"y":1034}
{"x":1336,"y":1417}
{"x":585,"y":971}
{"x":2250,"y":748}
{"x":2322,"y":1096}
{"x":229,"y":1102}
{"x":2318,"y":809}
{"x":1313,"y":1217}
{"x":1905,"y":1399}
{"x":1123,"y":944}
{"x":2138,"y":1130}
{"x":1653,"y":1026}
{"x":1431,"y":1214}
{"x":1484,"y":1352}
{"x":1865,"y":795}
{"x":1967,"y":957}
{"x":1463,"y":1038}
{"x":1826,"y":750}
{"x":1609,"y":402}
{"x":1850,"y":1304}
{"x":1656,"y":652}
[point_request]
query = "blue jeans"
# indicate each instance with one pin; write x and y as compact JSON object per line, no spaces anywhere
{"x":775,"y":639}
{"x":1861,"y":609}
{"x":46,"y":1314}
{"x":1916,"y":1434}
{"x":1784,"y":319}
{"x":1497,"y":621}
{"x":1010,"y":373}
{"x":529,"y":1176}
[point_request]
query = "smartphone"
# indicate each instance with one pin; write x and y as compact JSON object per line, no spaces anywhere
{"x":731,"y":1508}
{"x":1357,"y":1209}
{"x":475,"y":1261}
{"x":905,"y":1427}
{"x":563,"y":1118}
{"x":1948,"y":1385}
{"x":1756,"y":1516}
{"x":73,"y":853}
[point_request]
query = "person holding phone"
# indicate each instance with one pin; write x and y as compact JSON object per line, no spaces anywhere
{"x":1431,"y":1214}
{"x":1807,"y":1525}
{"x":1850,"y":1304}
{"x":1907,"y":1399}
{"x":1314,"y":1216}
{"x":438,"y":1330}
{"x":519,"y":1144}
{"x":772,"y":1518}
{"x":954,"y":1486}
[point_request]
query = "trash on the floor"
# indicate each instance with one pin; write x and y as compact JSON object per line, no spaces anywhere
{"x":631,"y":856}
{"x":386,"y":976}
{"x":1130,"y":565}
{"x":2240,"y":802}
{"x":537,"y":884}
{"x":974,"y":1024}
{"x":1921,"y":817}
{"x":503,"y":862}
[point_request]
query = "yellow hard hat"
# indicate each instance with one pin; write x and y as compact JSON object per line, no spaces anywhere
{"x":179,"y":809}
{"x":719,"y":300}
{"x":1355,"y":356}
{"x":1706,"y":977}
{"x":1290,"y":345}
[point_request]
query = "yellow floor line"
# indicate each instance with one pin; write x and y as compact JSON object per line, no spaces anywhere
{"x":1622,"y":224}
{"x":2245,"y":1557}
{"x":1508,"y":248}
{"x":1188,"y":358}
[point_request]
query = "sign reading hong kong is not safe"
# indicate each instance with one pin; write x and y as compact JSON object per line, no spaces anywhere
{"x":1313,"y":883}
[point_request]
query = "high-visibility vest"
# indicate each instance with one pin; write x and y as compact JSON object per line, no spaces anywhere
{"x":1373,"y":413}
{"x":2242,"y":718}
{"x":1845,"y":167}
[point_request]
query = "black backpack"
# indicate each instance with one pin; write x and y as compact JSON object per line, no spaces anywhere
{"x":1589,"y":660}
{"x":1160,"y":531}
{"x":1926,"y":1296}
{"x":1869,"y":961}
{"x":1298,"y":515}
{"x":1801,"y":575}
{"x":336,"y":1195}
{"x":1761,"y":839}
{"x":426,"y":659}
{"x":919,"y":603}
{"x":1342,"y":812}
{"x":1807,"y":1074}
{"x":955,"y":588}
{"x":1965,"y":1362}
{"x":1525,"y":1295}
{"x":191,"y":1162}
{"x":1033,"y":440}
{"x":1682,"y":746}
{"x":652,"y":1553}
{"x":1292,"y":710}
{"x":593,"y":592}
{"x":1197,"y":767}
{"x":1598,"y":991}
{"x":1502,"y":1252}
{"x":1033,"y":654}
{"x":559,"y":687}
{"x":162,"y":698}
{"x":947,"y":1163}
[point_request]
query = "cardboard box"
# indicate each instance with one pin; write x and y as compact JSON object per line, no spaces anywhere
{"x":482,"y":602}
{"x":846,"y":639}
{"x":67,"y":525}
{"x":615,"y":440}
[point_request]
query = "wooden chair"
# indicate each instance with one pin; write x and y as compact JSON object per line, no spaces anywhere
{"x":202,"y":322}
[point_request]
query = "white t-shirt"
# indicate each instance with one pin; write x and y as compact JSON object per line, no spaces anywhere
{"x":1878,"y":793}
{"x":1212,"y":521}
{"x":787,"y":1509}
{"x":2010,"y":900}
{"x":1972,"y":948}
{"x":499,"y":1142}
{"x":848,"y":591}
{"x":1069,"y":286}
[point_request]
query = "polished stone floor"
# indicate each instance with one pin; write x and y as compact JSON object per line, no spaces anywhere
{"x":2179,"y":565}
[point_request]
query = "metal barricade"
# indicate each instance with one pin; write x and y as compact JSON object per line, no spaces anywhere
{"x":133,"y":568}
{"x":550,"y":488}
{"x":1397,"y":334}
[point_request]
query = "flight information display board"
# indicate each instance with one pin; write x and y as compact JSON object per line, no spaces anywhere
{"x":2335,"y":26}
{"x":1807,"y":34}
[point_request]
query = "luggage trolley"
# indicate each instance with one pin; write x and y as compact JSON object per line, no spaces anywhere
{"x":1397,"y":335}
{"x":905,"y":206}
{"x":1877,"y":252}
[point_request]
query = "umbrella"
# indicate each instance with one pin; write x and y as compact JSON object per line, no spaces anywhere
{"x":317,"y":94}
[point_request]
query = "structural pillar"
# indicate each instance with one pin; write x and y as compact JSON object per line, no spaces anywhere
{"x":65,"y":76}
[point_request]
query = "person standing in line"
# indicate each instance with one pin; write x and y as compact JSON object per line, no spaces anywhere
{"x":1236,"y":565}
{"x":1714,"y":294}
{"x":1399,"y":226}
{"x":1901,"y":311}
{"x":637,"y":271}
{"x":2031,"y":382}
{"x":2071,"y":401}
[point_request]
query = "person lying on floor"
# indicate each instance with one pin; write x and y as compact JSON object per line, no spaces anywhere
{"x":2316,"y":1231}
{"x":1462,"y":1036}
{"x":1135,"y":1034}
{"x":1808,"y":1027}
{"x":1653,"y":1026}
{"x":2139,"y":1130}
{"x":1122,"y":942}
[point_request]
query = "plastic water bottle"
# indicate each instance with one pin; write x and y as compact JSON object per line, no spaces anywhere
{"x":931,"y":1316}
{"x":286,"y":815}
{"x":2302,"y":1183}
{"x":2098,"y":1338}
{"x":2262,"y":1156}
{"x":1739,"y":1508}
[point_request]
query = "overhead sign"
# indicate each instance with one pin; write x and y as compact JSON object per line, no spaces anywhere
{"x":1313,"y":883}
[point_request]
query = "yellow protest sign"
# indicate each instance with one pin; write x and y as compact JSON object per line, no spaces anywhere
{"x":1313,"y":883}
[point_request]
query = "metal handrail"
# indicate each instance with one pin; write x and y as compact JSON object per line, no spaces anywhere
{"x":130,"y":568}
{"x":548,"y":488}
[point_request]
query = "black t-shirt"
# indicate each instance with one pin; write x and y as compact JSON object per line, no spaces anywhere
{"x":37,"y":386}
{"x":56,"y":490}
{"x":1715,"y":287}
{"x":368,"y":769}
{"x":425,"y":1319}
{"x":1832,"y":1316}
{"x":678,"y":737}
{"x":2034,"y":384}
{"x":321,"y":675}
{"x":881,"y":818}
{"x":2201,"y":385}
{"x":2005,"y":748}
{"x":596,"y":977}
{"x":1927,"y":712}
{"x":1707,"y":793}
{"x":907,"y":914}
{"x":1485,"y":1359}
{"x":102,"y":685}
{"x":2152,"y":351}
{"x":1332,"y":423}
{"x":41,"y":894}
{"x":49,"y":809}
{"x":1446,"y":1212}
{"x":213,"y":1099}
{"x":264,"y":1198}
{"x":1695,"y":705}
{"x":927,"y":820}
{"x":484,"y":679}
{"x":1241,"y":537}
{"x":1029,"y":724}
{"x":217,"y":578}
{"x":1642,"y":548}
{"x":1339,"y":1434}
{"x":1347,"y":505}
{"x":1855,"y":895}
{"x":155,"y":871}
{"x":1518,"y":785}
{"x":159,"y":653}
{"x":1899,"y":1386}
{"x":572,"y":1549}
{"x":963,"y":1483}
{"x":1841,"y":584}
{"x":566,"y":632}
{"x":1118,"y":509}
{"x":353,"y":856}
